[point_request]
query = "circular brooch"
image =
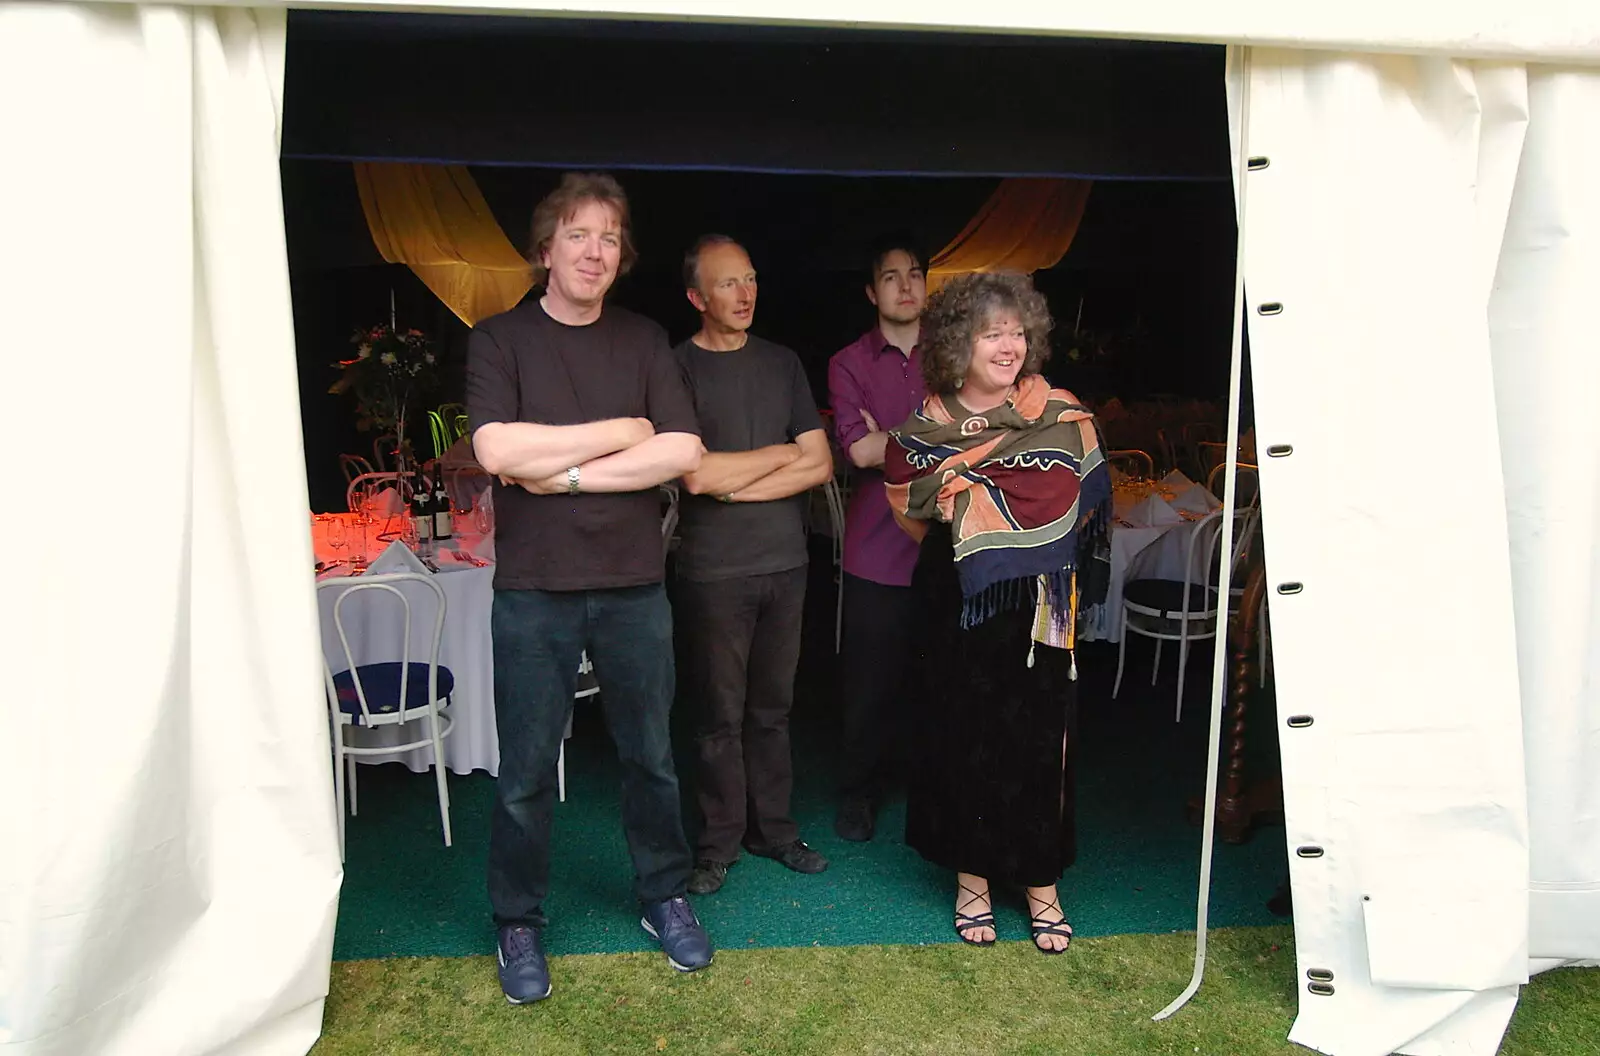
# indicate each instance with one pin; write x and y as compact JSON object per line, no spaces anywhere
{"x":974,"y":425}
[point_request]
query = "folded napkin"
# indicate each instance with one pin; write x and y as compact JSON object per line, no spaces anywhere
{"x":397,"y":558}
{"x":1194,"y":499}
{"x":1176,"y":481}
{"x":389,"y":502}
{"x":1153,"y":512}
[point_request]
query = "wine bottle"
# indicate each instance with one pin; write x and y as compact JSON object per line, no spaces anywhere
{"x":422,"y":510}
{"x":442,"y":526}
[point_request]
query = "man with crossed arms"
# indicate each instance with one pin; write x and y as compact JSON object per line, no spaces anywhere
{"x":741,"y":566}
{"x":580,"y":409}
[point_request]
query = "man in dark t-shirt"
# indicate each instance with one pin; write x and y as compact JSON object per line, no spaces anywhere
{"x":741,"y":566}
{"x":580,"y":409}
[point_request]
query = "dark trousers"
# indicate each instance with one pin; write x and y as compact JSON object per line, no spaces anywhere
{"x":741,"y":648}
{"x":875,"y":674}
{"x":539,"y":637}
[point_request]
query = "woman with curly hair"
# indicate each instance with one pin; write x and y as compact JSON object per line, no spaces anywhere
{"x":997,"y":475}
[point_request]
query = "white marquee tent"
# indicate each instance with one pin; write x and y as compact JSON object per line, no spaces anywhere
{"x":1427,"y":221}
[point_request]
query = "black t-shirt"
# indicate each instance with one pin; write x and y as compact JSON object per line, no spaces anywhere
{"x":523,"y":366}
{"x":753,"y":397}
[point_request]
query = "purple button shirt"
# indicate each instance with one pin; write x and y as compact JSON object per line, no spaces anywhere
{"x":874,"y":376}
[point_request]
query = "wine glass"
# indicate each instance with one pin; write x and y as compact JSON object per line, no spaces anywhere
{"x":369,"y":504}
{"x":337,"y":535}
{"x":483,"y":514}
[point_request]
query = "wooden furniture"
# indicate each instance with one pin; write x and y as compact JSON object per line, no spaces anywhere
{"x":1242,"y":802}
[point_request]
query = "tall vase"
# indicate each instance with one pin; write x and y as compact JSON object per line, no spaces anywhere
{"x":402,"y":456}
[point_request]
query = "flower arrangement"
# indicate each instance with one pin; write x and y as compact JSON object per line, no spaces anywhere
{"x":392,"y":371}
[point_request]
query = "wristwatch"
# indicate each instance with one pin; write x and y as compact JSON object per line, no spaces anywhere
{"x":572,"y":480}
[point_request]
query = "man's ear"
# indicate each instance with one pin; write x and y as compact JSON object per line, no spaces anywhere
{"x":696,"y":299}
{"x":872,"y":294}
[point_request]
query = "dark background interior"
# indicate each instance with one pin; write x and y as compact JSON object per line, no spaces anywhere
{"x":801,"y":144}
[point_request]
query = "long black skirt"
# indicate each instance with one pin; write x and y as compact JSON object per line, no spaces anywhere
{"x":991,"y":792}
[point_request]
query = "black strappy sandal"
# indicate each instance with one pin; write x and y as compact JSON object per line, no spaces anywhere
{"x":1041,"y":927}
{"x":966,"y":922}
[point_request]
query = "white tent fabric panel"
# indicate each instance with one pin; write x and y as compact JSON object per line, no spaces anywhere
{"x":1560,"y":29}
{"x":1429,"y":225}
{"x":171,"y":867}
{"x":1380,"y":224}
{"x":1543,"y":317}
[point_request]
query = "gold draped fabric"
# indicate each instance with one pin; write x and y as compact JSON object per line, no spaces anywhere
{"x":1027,"y":224}
{"x":434,"y":220}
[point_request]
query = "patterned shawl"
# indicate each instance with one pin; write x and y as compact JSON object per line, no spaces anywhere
{"x":1013,"y":483}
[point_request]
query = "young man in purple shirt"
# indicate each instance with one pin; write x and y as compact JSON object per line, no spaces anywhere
{"x":874,"y":384}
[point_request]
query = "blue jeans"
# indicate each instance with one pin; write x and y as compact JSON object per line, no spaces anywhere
{"x":539,"y":637}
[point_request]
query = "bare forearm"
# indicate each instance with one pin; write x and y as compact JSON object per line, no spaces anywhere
{"x":788,"y":480}
{"x":663,"y":457}
{"x":724,"y":472}
{"x":530,"y":451}
{"x":867,"y":453}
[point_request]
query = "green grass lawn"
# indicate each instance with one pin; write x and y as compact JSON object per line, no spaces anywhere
{"x":945,"y":998}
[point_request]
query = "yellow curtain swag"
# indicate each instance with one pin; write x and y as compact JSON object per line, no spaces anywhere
{"x":1026,"y":225}
{"x":434,"y":220}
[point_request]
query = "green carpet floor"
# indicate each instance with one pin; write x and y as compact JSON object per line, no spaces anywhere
{"x":405,"y":894}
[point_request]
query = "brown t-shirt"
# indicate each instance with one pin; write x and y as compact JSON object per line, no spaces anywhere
{"x":523,"y":366}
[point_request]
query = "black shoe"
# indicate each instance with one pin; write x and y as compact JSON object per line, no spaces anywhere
{"x":795,"y":855}
{"x":707,"y":877}
{"x":674,"y":925}
{"x":855,"y":821}
{"x":524,"y":975}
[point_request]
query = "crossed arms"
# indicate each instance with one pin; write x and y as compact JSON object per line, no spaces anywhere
{"x":766,"y":473}
{"x":616,"y":454}
{"x":627,"y":454}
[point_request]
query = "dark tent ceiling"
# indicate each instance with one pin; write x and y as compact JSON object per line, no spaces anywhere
{"x":529,"y":91}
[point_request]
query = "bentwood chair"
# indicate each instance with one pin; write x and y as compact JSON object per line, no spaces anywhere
{"x":836,"y":507}
{"x":1182,"y":611}
{"x":1133,"y":462}
{"x":450,"y":413}
{"x":1209,"y":454}
{"x":388,"y":693}
{"x":454,"y":416}
{"x":1248,"y":483}
{"x":439,"y":434}
{"x":367,"y":481}
{"x":1170,"y":452}
{"x":353,"y":466}
{"x":1247,"y":493}
{"x":670,"y":513}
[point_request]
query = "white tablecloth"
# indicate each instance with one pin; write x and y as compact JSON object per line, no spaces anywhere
{"x":1155,"y":552}
{"x":374,"y":631}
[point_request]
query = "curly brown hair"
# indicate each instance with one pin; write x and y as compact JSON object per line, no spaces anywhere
{"x":562,"y":204}
{"x":959,"y":311}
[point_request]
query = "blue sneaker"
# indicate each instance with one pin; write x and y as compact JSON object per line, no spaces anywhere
{"x":524,"y":976}
{"x":674,"y":925}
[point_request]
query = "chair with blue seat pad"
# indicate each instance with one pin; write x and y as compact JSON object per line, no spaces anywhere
{"x":387,"y":693}
{"x":1183,"y":610}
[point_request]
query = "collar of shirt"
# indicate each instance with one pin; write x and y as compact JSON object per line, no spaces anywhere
{"x":881,"y":344}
